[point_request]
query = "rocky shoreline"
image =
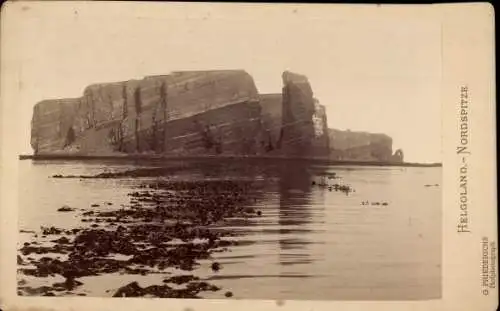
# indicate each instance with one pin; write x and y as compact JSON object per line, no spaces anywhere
{"x":167,"y":225}
{"x":167,"y":228}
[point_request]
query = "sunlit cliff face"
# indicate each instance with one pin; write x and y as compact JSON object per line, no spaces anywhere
{"x":319,"y":119}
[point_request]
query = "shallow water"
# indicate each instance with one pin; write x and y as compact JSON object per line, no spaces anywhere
{"x":309,"y":243}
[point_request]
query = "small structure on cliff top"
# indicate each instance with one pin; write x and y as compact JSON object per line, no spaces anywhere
{"x":198,"y":113}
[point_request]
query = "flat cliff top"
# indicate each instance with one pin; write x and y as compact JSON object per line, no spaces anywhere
{"x":176,"y":76}
{"x":357,"y":133}
{"x":291,"y":77}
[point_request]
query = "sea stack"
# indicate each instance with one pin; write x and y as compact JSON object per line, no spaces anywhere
{"x":304,"y":120}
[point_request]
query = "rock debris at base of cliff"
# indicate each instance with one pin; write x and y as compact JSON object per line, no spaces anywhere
{"x":199,"y":113}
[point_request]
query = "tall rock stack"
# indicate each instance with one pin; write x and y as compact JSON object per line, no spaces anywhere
{"x":304,"y":121}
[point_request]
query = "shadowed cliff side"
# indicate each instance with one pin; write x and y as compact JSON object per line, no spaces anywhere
{"x":298,"y":109}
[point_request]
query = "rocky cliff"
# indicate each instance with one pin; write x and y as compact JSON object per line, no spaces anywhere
{"x":181,"y":113}
{"x":362,"y":146}
{"x":51,"y":125}
{"x":272,"y":118}
{"x":197,"y":113}
{"x":294,"y":121}
{"x":297,"y":116}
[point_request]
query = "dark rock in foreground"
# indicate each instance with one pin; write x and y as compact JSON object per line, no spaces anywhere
{"x":65,"y":208}
{"x":164,"y":291}
{"x":171,"y":227}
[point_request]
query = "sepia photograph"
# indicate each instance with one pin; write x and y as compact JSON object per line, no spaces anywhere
{"x":198,"y":154}
{"x":298,"y":176}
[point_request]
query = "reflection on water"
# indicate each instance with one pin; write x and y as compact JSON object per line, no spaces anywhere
{"x":294,"y":214}
{"x":309,"y":243}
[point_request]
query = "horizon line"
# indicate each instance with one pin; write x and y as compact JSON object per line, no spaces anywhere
{"x":169,"y":157}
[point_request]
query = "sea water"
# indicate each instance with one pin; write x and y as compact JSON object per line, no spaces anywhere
{"x":380,"y":242}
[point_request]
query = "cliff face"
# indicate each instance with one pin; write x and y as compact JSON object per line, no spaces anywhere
{"x":272,"y":117}
{"x":161,"y":114}
{"x":347,"y":145}
{"x":51,"y":124}
{"x":303,"y":120}
{"x":198,"y":113}
{"x":297,"y":116}
{"x":321,"y":141}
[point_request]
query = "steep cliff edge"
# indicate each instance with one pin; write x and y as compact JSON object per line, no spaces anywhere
{"x":199,"y":113}
{"x":138,"y":116}
{"x":272,"y":117}
{"x":51,"y":124}
{"x":362,"y":146}
{"x":297,"y":116}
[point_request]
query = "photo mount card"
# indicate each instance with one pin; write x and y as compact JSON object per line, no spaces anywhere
{"x":202,"y":156}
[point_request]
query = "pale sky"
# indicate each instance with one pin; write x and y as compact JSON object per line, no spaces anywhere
{"x":372,"y":71}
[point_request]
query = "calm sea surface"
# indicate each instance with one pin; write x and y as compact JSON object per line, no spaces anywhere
{"x":309,"y":243}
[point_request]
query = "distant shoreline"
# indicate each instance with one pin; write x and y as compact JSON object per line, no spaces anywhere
{"x":234,"y":157}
